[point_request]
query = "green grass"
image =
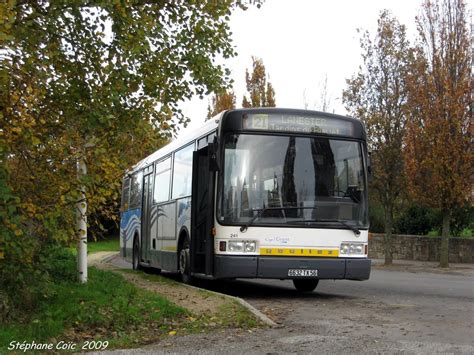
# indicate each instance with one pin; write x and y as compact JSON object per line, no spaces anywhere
{"x":234,"y":314}
{"x":109,"y":244}
{"x":106,"y":308}
{"x":465,"y":233}
{"x":112,"y":244}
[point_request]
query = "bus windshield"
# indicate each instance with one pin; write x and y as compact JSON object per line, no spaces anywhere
{"x":289,"y":180}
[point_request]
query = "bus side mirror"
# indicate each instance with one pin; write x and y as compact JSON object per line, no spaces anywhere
{"x":370,"y":175}
{"x":212,"y":151}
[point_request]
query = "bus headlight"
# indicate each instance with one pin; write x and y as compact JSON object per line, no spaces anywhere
{"x":245,"y":246}
{"x":250,"y":247}
{"x":351,"y":249}
{"x":235,"y":246}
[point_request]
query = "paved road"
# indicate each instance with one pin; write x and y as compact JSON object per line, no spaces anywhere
{"x":423,"y":311}
{"x":394,"y":311}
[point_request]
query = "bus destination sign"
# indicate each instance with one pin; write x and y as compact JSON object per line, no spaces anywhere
{"x":297,"y":123}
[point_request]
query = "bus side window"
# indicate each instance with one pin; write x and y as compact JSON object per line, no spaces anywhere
{"x":136,"y":190}
{"x":202,"y":142}
{"x":182,"y":172}
{"x":210,"y":137}
{"x":162,"y":181}
{"x":125,"y":194}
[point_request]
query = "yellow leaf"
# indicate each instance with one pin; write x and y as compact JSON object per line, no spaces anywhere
{"x":173,"y":332}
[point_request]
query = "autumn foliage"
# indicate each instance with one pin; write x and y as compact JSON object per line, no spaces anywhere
{"x":96,"y":82}
{"x":377,"y":95}
{"x":222,"y":101}
{"x":439,"y":156}
{"x":417,"y":105}
{"x":260,"y":90}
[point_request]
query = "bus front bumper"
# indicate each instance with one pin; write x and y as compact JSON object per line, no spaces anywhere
{"x":268,"y":267}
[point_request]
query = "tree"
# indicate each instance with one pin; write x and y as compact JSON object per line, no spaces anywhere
{"x":439,"y":157}
{"x":222,"y":101}
{"x":324,"y":97}
{"x":323,"y":103}
{"x":260,"y":91}
{"x":97,"y":81}
{"x":377,"y":96}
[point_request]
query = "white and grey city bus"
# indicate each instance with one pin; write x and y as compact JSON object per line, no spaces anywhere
{"x":255,"y":193}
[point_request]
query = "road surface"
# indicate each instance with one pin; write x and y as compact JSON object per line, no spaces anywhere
{"x":395,"y":311}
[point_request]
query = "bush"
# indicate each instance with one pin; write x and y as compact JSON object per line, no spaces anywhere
{"x":376,"y":215}
{"x":58,"y":263}
{"x":421,"y":220}
{"x":417,"y":220}
{"x":26,"y":277}
{"x":462,"y":218}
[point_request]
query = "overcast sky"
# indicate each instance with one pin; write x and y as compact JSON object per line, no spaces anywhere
{"x":302,"y":41}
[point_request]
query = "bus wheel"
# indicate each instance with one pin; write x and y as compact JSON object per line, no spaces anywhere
{"x":136,"y":255}
{"x":305,"y":285}
{"x":184,"y":263}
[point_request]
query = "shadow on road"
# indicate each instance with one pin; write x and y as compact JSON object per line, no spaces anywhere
{"x":247,"y":289}
{"x":257,"y":289}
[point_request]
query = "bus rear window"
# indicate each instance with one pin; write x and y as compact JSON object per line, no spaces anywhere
{"x":136,"y":190}
{"x":125,"y":194}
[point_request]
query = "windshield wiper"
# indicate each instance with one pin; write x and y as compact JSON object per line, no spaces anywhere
{"x":344,"y":223}
{"x":265,"y":209}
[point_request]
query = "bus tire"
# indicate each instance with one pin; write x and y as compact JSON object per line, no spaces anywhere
{"x":305,"y":285}
{"x":136,"y":255}
{"x":184,"y":262}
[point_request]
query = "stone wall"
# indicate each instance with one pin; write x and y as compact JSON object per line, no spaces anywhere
{"x":415,"y":247}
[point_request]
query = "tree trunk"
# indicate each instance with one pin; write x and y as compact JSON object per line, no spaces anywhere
{"x":444,"y":248}
{"x":81,"y":225}
{"x":388,"y":237}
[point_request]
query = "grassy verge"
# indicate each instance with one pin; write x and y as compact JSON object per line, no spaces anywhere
{"x":112,"y":244}
{"x":230,"y":314}
{"x":106,"y":308}
{"x":94,"y":246}
{"x":114,"y":308}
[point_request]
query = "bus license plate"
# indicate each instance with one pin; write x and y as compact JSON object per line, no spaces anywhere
{"x":302,"y":272}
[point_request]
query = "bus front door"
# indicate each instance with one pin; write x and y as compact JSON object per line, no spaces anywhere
{"x":146,"y":223}
{"x":202,"y":214}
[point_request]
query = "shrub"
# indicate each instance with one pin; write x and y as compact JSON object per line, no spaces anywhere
{"x":376,"y":214}
{"x":58,"y":263}
{"x":462,"y":218}
{"x":26,"y":276}
{"x":417,"y":220}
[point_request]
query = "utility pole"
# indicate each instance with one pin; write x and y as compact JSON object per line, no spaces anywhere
{"x":81,"y":223}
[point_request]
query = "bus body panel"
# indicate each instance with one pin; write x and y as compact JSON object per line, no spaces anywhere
{"x":166,"y":235}
{"x":280,"y":249}
{"x":287,"y":237}
{"x":130,"y":224}
{"x":183,"y":219}
{"x":265,"y":267}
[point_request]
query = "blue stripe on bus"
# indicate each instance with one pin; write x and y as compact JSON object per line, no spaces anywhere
{"x":129,"y":223}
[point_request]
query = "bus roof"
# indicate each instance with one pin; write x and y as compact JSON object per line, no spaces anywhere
{"x":180,"y":141}
{"x":231,"y":120}
{"x":286,"y":120}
